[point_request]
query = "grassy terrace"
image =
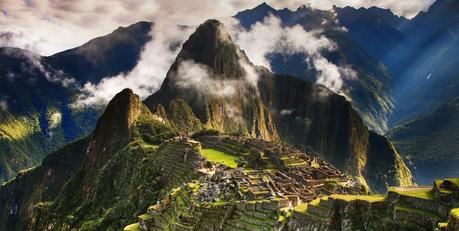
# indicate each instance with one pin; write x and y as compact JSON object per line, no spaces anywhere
{"x":220,"y":157}
{"x":423,"y":193}
{"x":358,"y":197}
{"x":133,"y":227}
{"x":301,"y":208}
{"x":455,"y":212}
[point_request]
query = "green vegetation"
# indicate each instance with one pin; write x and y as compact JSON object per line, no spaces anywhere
{"x":423,"y":193}
{"x":220,"y":157}
{"x":349,"y":198}
{"x":133,"y":227}
{"x":455,"y":212}
{"x":301,"y":208}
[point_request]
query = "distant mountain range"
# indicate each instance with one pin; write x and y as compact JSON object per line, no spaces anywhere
{"x":407,"y":68}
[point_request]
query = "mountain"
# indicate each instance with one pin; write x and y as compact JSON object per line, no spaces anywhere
{"x":73,"y":176}
{"x":377,"y":31}
{"x":277,"y":108}
{"x":40,"y":183}
{"x":239,"y":164}
{"x":370,"y":92}
{"x":432,"y":64}
{"x":109,"y":55}
{"x":430,"y":143}
{"x":36,"y":116}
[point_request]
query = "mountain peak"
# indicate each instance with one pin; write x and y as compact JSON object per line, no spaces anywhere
{"x":212,"y":46}
{"x":113,"y":128}
{"x":263,"y":6}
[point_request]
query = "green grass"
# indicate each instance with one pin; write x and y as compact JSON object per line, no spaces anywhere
{"x":316,"y":202}
{"x":145,"y":217}
{"x":358,"y":197}
{"x":423,"y":193}
{"x":455,"y":212}
{"x":443,"y":225}
{"x":220,"y":157}
{"x":301,"y":208}
{"x":133,"y":227}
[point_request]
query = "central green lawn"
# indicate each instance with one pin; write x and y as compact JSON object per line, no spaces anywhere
{"x":219,"y":157}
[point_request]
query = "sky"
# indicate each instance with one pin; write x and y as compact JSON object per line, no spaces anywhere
{"x":50,"y":26}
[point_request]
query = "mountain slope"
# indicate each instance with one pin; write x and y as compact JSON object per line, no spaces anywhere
{"x":377,"y":31}
{"x":432,"y":64}
{"x":41,"y":183}
{"x":104,"y":56}
{"x":430,"y":144}
{"x":277,"y":108}
{"x":369,"y":92}
{"x":120,"y":174}
{"x":36,"y":116}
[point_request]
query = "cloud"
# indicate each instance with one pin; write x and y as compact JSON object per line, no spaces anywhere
{"x":50,"y":26}
{"x":4,"y":104}
{"x":191,"y":75}
{"x":407,"y":8}
{"x":55,"y":119}
{"x":33,"y":65}
{"x":268,"y":37}
{"x":149,"y":72}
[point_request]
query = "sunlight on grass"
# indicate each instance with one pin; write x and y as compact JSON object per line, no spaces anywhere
{"x":133,"y":227}
{"x":301,"y":208}
{"x":358,"y":197}
{"x":220,"y":157}
{"x":423,"y":193}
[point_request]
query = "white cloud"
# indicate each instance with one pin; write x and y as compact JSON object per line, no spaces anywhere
{"x":149,"y":72}
{"x":55,"y":119}
{"x":191,"y":75}
{"x":268,"y":36}
{"x":3,"y":104}
{"x":50,"y":26}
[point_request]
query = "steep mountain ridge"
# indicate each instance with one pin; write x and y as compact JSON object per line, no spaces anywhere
{"x":224,"y":66}
{"x":369,"y":91}
{"x":279,"y":108}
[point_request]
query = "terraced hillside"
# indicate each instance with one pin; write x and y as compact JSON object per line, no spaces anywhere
{"x":248,"y":197}
{"x":403,"y":208}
